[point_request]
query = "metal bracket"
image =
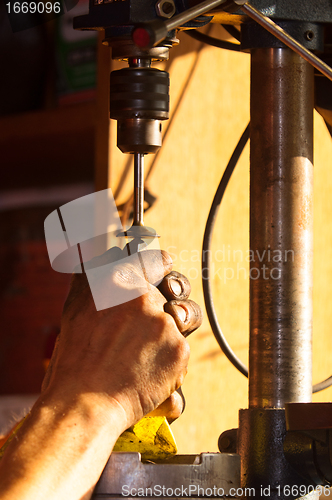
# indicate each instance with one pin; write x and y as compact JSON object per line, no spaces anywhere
{"x":183,"y":474}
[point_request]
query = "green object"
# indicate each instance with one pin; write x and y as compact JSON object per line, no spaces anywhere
{"x":76,"y":54}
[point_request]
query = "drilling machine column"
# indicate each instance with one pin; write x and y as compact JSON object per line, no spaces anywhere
{"x":281,"y":198}
{"x":281,"y":242}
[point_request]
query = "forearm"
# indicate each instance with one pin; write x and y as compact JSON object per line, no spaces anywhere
{"x":61,"y":448}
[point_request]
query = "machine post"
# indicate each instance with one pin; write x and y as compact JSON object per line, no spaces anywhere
{"x":281,"y":228}
{"x":281,"y":242}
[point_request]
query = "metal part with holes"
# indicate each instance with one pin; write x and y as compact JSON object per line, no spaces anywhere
{"x":207,"y":470}
{"x":306,"y":10}
{"x":310,"y":35}
{"x":165,"y":8}
{"x":281,"y":228}
{"x":288,"y":40}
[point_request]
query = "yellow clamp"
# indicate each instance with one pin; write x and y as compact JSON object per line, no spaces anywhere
{"x":152,"y":437}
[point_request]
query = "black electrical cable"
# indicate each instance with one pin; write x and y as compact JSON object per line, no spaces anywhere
{"x":206,"y":263}
{"x":206,"y":251}
{"x":177,"y":106}
{"x":322,"y":385}
{"x":232,"y":31}
{"x":210,"y":40}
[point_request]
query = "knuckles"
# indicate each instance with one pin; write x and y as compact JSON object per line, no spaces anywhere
{"x":183,"y":350}
{"x":180,"y":352}
{"x":127,"y":275}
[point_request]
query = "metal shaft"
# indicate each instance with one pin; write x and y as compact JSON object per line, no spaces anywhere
{"x":191,"y":13}
{"x":281,"y":228}
{"x":138,"y":189}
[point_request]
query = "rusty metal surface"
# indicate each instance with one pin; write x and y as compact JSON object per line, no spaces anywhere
{"x":263,"y":463}
{"x":281,"y":228}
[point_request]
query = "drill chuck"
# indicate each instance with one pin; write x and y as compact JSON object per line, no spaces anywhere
{"x":139,"y":100}
{"x":139,"y":135}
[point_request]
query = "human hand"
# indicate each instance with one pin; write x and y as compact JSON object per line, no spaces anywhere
{"x":188,"y":317}
{"x":109,"y":368}
{"x":132,"y":354}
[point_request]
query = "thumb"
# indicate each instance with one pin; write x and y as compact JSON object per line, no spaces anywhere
{"x":128,"y":278}
{"x":152,"y":265}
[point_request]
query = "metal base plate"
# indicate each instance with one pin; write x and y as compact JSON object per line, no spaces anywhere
{"x":125,"y":475}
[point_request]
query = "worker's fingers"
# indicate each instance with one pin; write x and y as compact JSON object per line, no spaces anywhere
{"x":171,"y":408}
{"x":151,"y":265}
{"x":180,"y":392}
{"x":186,"y":313}
{"x":115,"y":278}
{"x":155,"y":264}
{"x":175,"y":286}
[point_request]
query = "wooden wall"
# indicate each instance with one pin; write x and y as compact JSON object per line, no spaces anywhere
{"x":212,"y":115}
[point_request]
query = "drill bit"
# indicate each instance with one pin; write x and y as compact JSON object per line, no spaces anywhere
{"x":138,"y":189}
{"x":138,"y":208}
{"x":138,"y":231}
